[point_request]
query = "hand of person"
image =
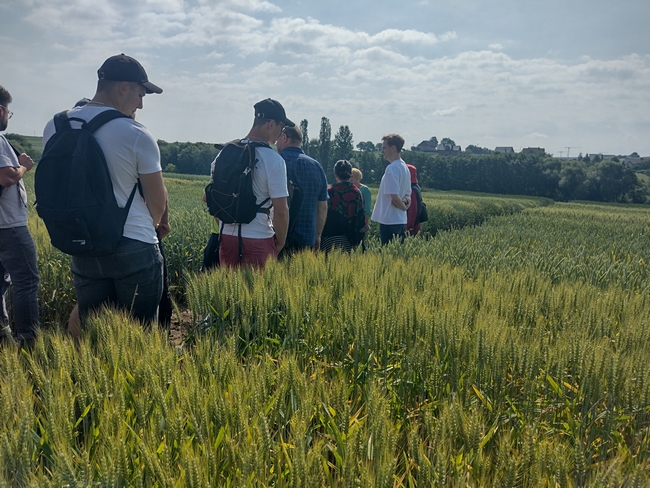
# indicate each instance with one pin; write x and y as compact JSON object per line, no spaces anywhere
{"x":278,"y":245}
{"x":366,"y":228}
{"x":317,"y":244}
{"x":164,"y":229}
{"x":26,"y":161}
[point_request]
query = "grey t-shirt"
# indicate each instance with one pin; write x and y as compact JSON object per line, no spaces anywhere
{"x":13,"y":202}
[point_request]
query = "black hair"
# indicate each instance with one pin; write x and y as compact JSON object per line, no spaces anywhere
{"x":5,"y":97}
{"x":343,"y":169}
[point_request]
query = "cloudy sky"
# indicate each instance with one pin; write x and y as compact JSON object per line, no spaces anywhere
{"x":549,"y":73}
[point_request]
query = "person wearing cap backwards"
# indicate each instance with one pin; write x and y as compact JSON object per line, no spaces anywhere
{"x":131,"y":277}
{"x":265,"y":236}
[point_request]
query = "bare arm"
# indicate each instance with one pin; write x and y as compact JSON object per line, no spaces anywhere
{"x":280,"y":220}
{"x":397,"y":201}
{"x":164,"y":228}
{"x":155,"y":195}
{"x":321,"y":216}
{"x":10,"y":175}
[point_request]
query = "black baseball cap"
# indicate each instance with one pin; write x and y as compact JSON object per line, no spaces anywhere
{"x":273,"y":110}
{"x":124,"y":68}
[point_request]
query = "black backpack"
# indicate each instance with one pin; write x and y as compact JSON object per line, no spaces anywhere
{"x":422,"y":215}
{"x":230,"y":195}
{"x":74,"y":191}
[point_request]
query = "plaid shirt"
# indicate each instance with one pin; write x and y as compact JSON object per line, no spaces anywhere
{"x":309,"y":175}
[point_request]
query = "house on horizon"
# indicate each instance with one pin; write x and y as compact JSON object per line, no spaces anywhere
{"x":448,"y":148}
{"x":504,"y":149}
{"x":426,"y":146}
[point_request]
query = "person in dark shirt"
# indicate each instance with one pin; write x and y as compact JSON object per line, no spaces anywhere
{"x":310,"y":177}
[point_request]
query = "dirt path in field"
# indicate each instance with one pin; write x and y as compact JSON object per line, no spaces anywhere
{"x":179,"y":327}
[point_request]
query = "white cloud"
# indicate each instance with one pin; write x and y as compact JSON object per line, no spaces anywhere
{"x":448,"y":111}
{"x":214,"y":59}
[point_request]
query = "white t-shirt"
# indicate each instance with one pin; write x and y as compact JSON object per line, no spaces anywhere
{"x":13,"y":202}
{"x":396,"y":181}
{"x":130,"y":150}
{"x":269,"y":181}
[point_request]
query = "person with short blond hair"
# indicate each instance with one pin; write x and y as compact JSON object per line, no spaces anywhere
{"x":356,"y":178}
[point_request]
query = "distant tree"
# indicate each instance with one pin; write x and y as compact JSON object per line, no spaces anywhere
{"x":325,"y":143}
{"x":170,"y":168}
{"x":572,"y":176}
{"x":366,"y":146}
{"x":343,"y":147}
{"x":472,"y":149}
{"x":312,"y":149}
{"x":378,"y":146}
{"x":434,"y":139}
{"x":447,"y":141}
{"x":305,"y":135}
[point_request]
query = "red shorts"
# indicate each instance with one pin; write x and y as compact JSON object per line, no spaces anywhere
{"x":255,"y":251}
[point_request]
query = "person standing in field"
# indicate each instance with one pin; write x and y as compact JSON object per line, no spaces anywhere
{"x":412,"y":223}
{"x":131,"y":277}
{"x":344,"y":213}
{"x":310,"y":177}
{"x":356,"y":178}
{"x":17,"y":248}
{"x":394,"y":195}
{"x":265,"y":236}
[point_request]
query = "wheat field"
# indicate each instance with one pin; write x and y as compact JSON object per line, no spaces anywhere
{"x":511,"y":353}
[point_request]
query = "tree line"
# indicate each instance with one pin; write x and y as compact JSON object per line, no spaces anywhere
{"x":479,"y":170}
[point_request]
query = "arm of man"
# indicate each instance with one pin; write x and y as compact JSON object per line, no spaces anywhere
{"x":397,"y":201}
{"x":10,"y":175}
{"x":155,"y":195}
{"x":280,"y":220}
{"x":163,"y":227}
{"x":321,"y":216}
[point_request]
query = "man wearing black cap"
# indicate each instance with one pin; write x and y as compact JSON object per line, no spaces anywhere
{"x":265,"y":236}
{"x":130,"y":277}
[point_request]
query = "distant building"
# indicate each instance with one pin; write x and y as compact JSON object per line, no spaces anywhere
{"x":533,"y":150}
{"x":504,"y":149}
{"x":447,"y":148}
{"x":631,"y":161}
{"x":443,"y":149}
{"x":426,"y":146}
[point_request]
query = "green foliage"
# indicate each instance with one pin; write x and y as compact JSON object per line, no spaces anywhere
{"x":187,"y":157}
{"x":511,"y":353}
{"x":366,"y":146}
{"x":343,"y":144}
{"x":305,"y":135}
{"x":30,"y":145}
{"x":325,"y":146}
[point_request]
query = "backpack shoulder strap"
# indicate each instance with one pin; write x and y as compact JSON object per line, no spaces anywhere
{"x":61,"y":121}
{"x":103,"y":118}
{"x":14,"y":148}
